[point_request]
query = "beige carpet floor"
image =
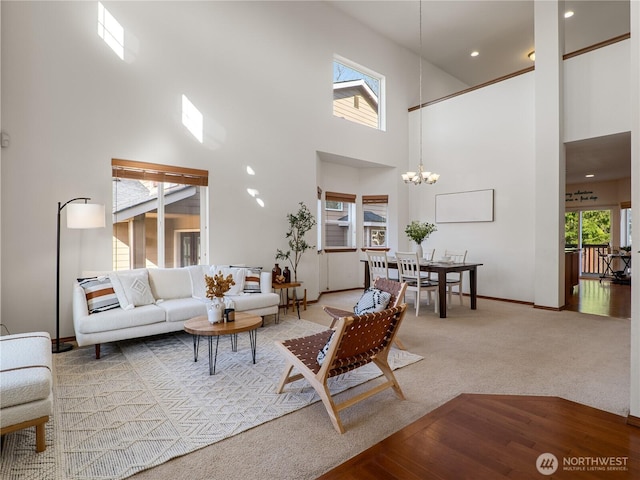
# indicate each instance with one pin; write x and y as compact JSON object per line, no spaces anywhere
{"x":500,"y":348}
{"x":146,"y":401}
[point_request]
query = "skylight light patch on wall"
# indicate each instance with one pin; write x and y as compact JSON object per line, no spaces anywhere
{"x":192,"y":119}
{"x":110,"y":30}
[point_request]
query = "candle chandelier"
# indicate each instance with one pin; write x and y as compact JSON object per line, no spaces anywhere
{"x":421,"y":176}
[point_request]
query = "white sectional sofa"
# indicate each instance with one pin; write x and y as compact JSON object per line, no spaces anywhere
{"x":142,"y":302}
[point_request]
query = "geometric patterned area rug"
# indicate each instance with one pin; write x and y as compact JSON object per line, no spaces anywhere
{"x":146,"y":401}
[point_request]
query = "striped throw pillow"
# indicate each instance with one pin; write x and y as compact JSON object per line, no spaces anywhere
{"x":252,"y":280}
{"x":100,"y":294}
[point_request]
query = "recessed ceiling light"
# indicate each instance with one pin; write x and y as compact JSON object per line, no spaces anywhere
{"x":250,"y":170}
{"x":260,"y":202}
{"x":252,"y":191}
{"x":589,"y":175}
{"x":475,"y":53}
{"x":568,"y":14}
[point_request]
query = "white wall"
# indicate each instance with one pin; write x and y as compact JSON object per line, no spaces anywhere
{"x":259,"y":71}
{"x":596,"y":93}
{"x":483,"y":140}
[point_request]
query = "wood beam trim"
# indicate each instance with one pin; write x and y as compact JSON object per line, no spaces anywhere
{"x":582,"y":51}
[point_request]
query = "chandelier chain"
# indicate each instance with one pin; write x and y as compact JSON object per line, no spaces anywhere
{"x":420,"y":176}
{"x":420,"y":75}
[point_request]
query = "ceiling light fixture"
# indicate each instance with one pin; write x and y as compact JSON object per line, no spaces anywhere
{"x":420,"y":176}
{"x":475,"y":53}
{"x":568,"y":14}
{"x":532,"y":55}
{"x":589,"y":175}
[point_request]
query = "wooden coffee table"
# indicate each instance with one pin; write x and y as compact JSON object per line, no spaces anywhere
{"x":200,"y":327}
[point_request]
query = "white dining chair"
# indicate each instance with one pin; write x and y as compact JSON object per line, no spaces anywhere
{"x":455,"y":279}
{"x":379,"y":266}
{"x":409,"y":272}
{"x":429,"y":256}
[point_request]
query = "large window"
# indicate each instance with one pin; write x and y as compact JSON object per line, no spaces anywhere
{"x":339,"y":220}
{"x":159,"y":215}
{"x":358,"y":94}
{"x":374,"y":221}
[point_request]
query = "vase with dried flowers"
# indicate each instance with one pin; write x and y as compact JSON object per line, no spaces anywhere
{"x":217,"y":286}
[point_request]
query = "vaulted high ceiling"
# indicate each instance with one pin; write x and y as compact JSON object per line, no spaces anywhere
{"x":502,"y":32}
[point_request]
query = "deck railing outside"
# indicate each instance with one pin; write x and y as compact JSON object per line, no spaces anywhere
{"x":592,"y":261}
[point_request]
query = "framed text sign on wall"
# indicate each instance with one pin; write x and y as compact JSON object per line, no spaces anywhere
{"x":474,"y":206}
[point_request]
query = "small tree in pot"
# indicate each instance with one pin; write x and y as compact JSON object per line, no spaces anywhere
{"x":299,"y":224}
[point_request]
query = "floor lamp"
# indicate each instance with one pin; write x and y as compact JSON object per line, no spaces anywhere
{"x":79,"y":215}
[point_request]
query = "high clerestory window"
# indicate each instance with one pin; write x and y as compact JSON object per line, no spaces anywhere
{"x":159,"y":215}
{"x":358,"y":93}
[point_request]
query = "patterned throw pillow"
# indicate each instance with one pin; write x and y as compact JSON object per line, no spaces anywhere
{"x":322,"y":354}
{"x":100,"y":294}
{"x":372,"y":300}
{"x":252,"y":280}
{"x":132,"y":288}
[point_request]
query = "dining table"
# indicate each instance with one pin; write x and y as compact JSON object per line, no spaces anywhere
{"x":442,"y":269}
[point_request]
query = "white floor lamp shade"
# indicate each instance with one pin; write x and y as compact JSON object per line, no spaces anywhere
{"x":85,"y":215}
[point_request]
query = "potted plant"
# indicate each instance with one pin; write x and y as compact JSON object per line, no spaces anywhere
{"x":299,"y":224}
{"x":418,"y":232}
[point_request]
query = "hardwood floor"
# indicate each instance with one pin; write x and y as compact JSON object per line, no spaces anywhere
{"x":601,"y":298}
{"x":503,"y":436}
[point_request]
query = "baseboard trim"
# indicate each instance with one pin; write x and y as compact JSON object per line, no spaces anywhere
{"x":553,"y":309}
{"x":485,"y":297}
{"x":633,"y":421}
{"x":498,"y":299}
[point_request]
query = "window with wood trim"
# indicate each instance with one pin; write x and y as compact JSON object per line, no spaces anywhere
{"x":339,"y":220}
{"x":374,"y":220}
{"x":159,"y":215}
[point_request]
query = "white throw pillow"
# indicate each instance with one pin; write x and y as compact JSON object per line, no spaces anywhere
{"x":132,"y":288}
{"x":198,"y":285}
{"x":238,"y":275}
